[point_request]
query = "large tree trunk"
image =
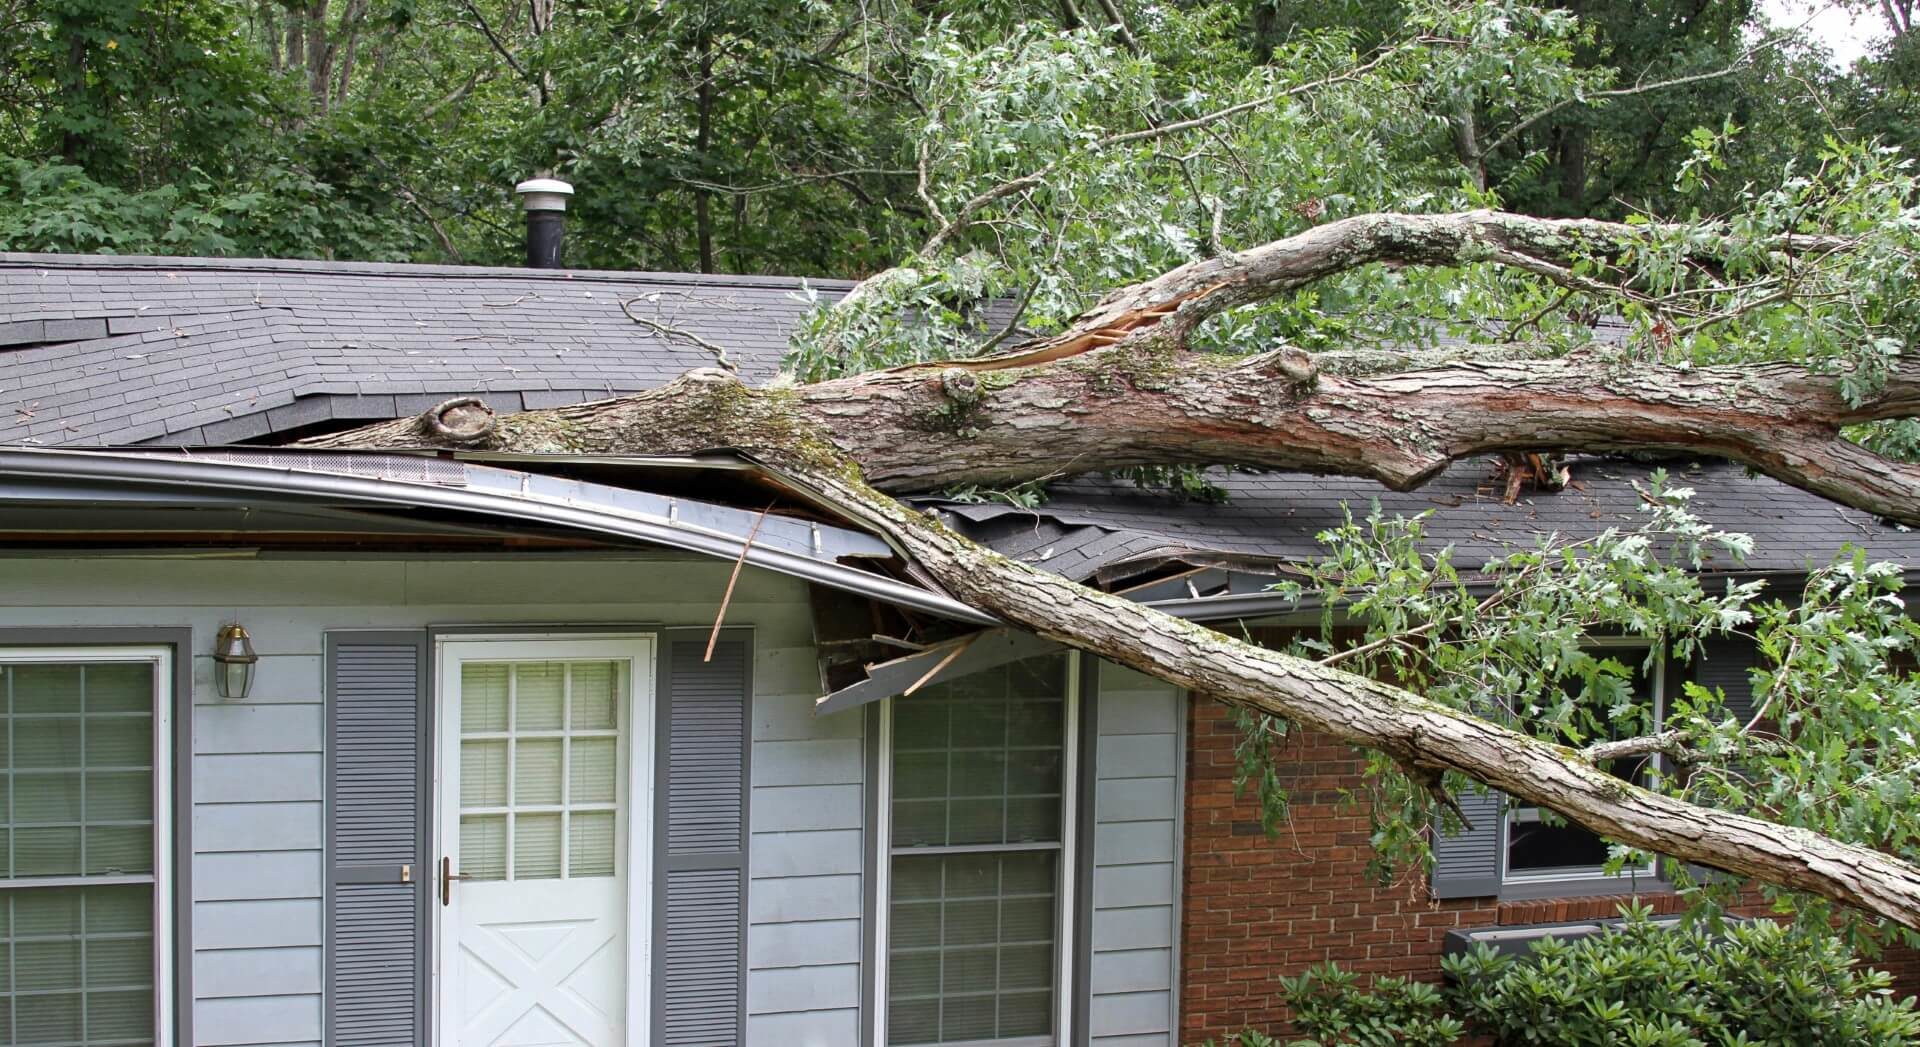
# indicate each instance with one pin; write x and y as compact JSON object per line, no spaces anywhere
{"x":1117,"y":388}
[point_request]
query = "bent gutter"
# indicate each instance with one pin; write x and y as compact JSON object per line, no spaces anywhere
{"x":1251,"y":600}
{"x":152,"y":469}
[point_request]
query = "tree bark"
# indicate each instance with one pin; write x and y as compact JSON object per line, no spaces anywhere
{"x":319,"y":58}
{"x":702,"y":143}
{"x":1117,"y":389}
{"x":73,"y":91}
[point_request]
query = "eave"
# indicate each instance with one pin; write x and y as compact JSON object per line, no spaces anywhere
{"x":506,"y":498}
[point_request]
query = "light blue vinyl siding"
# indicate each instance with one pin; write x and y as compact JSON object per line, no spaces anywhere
{"x":1136,"y":861}
{"x":258,"y":775}
{"x":805,"y":857}
{"x":258,"y":765}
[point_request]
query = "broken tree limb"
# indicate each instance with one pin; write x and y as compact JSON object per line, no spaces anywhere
{"x":709,"y":409}
{"x":1118,"y":388}
{"x":1127,"y":406}
{"x":1418,"y":734}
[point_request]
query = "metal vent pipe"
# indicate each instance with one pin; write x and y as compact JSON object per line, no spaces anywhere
{"x":545,"y":201}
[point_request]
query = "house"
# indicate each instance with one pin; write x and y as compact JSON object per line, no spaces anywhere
{"x":612,"y":750}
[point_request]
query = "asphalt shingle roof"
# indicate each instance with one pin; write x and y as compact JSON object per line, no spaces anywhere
{"x":100,"y":350}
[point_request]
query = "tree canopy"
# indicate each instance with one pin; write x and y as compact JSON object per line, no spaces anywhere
{"x":748,"y":136}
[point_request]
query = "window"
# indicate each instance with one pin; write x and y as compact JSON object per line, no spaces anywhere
{"x":539,"y":752}
{"x":981,"y":773}
{"x":1539,"y":850}
{"x":83,"y":847}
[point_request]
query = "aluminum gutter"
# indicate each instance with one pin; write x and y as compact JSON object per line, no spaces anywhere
{"x":1250,"y":597}
{"x":502,"y":493}
{"x":1219,"y":608}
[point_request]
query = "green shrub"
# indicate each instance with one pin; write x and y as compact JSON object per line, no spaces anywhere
{"x":1641,"y":984}
{"x":1336,"y":1008}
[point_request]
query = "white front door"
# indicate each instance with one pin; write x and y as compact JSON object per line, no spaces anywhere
{"x":543,"y":799}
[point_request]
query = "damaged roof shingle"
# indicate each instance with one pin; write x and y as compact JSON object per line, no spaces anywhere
{"x":1105,"y":528}
{"x":174,"y":351}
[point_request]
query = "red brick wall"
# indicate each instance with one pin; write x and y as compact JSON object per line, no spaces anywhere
{"x":1257,"y":908}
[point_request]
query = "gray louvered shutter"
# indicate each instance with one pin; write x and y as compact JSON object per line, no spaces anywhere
{"x":700,"y":840}
{"x":1725,"y":662}
{"x":377,"y":883}
{"x":1467,"y":865}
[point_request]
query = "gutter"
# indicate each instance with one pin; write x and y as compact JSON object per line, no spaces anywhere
{"x":509,"y":494}
{"x":1250,"y":596}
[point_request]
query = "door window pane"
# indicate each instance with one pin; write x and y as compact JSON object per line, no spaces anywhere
{"x":590,"y":847}
{"x":77,"y":799}
{"x":483,"y":774}
{"x":483,"y":698}
{"x":538,"y":691}
{"x":483,"y":846}
{"x":539,"y":769}
{"x":536,"y":847}
{"x":536,"y":772}
{"x":594,"y":688}
{"x":592,"y":772}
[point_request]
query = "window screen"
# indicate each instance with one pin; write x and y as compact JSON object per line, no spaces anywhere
{"x":77,"y":901}
{"x":978,"y":778}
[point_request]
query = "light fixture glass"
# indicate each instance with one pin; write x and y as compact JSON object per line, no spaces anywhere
{"x":233,"y":662}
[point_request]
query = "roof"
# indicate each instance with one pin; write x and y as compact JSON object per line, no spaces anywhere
{"x":122,"y":351}
{"x":98,"y":350}
{"x":1093,"y":527}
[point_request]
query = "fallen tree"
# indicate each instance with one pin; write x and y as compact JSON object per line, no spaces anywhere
{"x":1122,"y":386}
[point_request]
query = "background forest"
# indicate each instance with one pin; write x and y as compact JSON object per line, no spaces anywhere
{"x":796,"y":136}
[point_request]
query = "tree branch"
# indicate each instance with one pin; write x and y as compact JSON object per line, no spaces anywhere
{"x":791,"y":182}
{"x":963,"y":217}
{"x":1624,"y":92}
{"x":1118,"y":389}
{"x":1666,"y":743}
{"x":499,"y":46}
{"x":900,"y":428}
{"x":667,"y":330}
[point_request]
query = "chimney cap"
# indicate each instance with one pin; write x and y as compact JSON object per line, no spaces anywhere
{"x":543,"y":194}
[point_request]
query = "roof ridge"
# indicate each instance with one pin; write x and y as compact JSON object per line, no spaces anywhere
{"x":28,"y":260}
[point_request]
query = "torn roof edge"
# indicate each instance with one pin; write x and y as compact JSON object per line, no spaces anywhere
{"x":571,"y":504}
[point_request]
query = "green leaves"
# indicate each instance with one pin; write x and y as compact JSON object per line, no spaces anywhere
{"x":1333,"y":1007}
{"x":1644,"y":982}
{"x":1829,"y":742}
{"x":57,"y":207}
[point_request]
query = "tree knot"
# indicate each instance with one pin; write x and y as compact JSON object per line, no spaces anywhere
{"x":1290,"y":364}
{"x":960,"y":386}
{"x":710,"y":376}
{"x":463,"y":420}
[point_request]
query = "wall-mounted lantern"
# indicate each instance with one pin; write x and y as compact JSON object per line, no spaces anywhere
{"x":233,"y":661}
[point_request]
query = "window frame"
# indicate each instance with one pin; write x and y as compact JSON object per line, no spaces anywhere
{"x":1066,"y":896}
{"x":1555,"y":883}
{"x":171,"y":685}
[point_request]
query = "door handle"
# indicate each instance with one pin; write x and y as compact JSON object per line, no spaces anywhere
{"x":447,"y":876}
